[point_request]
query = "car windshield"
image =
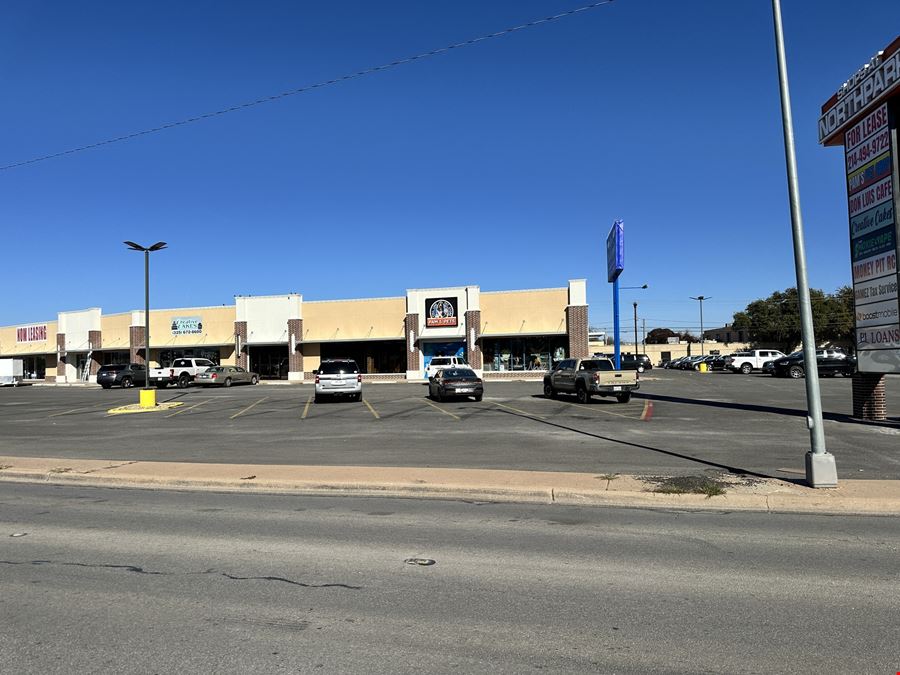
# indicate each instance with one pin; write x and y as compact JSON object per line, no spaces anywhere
{"x":216,"y":369}
{"x":460,"y":374}
{"x":599,"y":364}
{"x":107,"y":369}
{"x":440,"y":361}
{"x":338,"y":367}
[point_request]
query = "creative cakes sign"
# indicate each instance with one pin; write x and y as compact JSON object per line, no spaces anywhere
{"x":441,"y":312}
{"x":187,"y":325}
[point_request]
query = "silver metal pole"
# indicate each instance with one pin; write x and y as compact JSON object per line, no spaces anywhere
{"x":821,"y":470}
{"x":146,"y":319}
{"x":702,"y":352}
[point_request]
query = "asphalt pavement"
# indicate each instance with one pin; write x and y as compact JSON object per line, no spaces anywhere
{"x":679,"y":422}
{"x":132,"y":581}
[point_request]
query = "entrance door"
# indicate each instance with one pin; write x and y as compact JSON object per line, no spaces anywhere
{"x":270,"y":362}
{"x":432,"y":349}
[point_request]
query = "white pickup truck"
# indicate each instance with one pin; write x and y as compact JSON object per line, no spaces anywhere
{"x":181,"y":373}
{"x":747,"y":362}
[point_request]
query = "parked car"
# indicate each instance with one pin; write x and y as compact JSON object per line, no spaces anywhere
{"x":449,"y":382}
{"x":748,"y":361}
{"x":768,"y":368}
{"x":586,"y":377}
{"x":828,"y":363}
{"x":706,"y":358}
{"x":718,"y":362}
{"x":439,"y":362}
{"x":181,"y":373}
{"x":638,"y":362}
{"x":673,"y":364}
{"x":123,"y":375}
{"x":688,"y":362}
{"x":338,"y":377}
{"x":225,"y":376}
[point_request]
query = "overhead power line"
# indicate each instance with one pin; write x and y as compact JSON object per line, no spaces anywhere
{"x":310,"y":87}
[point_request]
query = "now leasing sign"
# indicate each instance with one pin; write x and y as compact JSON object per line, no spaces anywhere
{"x":32,"y":333}
{"x":873,"y":241}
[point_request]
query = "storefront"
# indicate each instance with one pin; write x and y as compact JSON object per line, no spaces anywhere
{"x":501,"y":333}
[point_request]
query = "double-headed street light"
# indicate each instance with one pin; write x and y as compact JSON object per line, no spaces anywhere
{"x":147,"y":400}
{"x":701,"y":298}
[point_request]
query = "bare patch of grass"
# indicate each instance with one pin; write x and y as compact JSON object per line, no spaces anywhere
{"x":696,"y":485}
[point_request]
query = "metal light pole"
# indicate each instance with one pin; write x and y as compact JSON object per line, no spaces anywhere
{"x":821,"y":470}
{"x":633,"y":288}
{"x":701,"y":298}
{"x":146,"y":250}
{"x":636,"y":350}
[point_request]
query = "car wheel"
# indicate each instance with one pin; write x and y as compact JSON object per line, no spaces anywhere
{"x":549,"y":391}
{"x":478,"y":398}
{"x":183,"y":381}
{"x":583,"y":395}
{"x":127,"y":383}
{"x":254,"y":380}
{"x":624,"y":398}
{"x":227,"y":381}
{"x":640,"y":369}
{"x":358,"y":397}
{"x":796,"y":372}
{"x":746,"y":369}
{"x":440,"y":395}
{"x":106,"y":386}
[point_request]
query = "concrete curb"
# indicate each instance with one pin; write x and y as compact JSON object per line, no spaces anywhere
{"x":851,"y":497}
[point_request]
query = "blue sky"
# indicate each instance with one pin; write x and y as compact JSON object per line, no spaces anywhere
{"x":502,"y":164}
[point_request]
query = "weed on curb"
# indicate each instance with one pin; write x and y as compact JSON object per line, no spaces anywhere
{"x":697,"y":485}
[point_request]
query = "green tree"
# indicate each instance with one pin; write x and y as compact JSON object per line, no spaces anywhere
{"x":660,"y":336}
{"x":775,"y":320}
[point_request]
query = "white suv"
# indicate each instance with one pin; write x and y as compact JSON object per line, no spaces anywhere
{"x":338,"y":377}
{"x":440,"y":362}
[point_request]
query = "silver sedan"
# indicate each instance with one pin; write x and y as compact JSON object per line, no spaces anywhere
{"x":225,"y":376}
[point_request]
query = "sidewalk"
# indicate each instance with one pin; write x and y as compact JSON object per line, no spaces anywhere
{"x":881,"y":497}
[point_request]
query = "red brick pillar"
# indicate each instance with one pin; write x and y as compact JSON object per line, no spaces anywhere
{"x":577,"y":329}
{"x":868,"y":397}
{"x":96,"y":341}
{"x":61,"y":360}
{"x":136,"y":344}
{"x":295,"y":355}
{"x":412,"y":351}
{"x":473,"y":339}
{"x":240,"y":344}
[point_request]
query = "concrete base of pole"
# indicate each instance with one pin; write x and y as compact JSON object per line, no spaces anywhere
{"x":821,"y":471}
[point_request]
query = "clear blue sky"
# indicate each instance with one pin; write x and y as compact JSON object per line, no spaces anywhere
{"x":512,"y":157}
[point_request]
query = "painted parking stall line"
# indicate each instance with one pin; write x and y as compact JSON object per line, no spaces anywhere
{"x":371,"y":409}
{"x":184,"y":410}
{"x":517,"y":410}
{"x":306,"y":407}
{"x":249,"y":407}
{"x":440,"y":409}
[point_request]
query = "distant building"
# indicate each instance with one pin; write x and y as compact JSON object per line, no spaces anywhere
{"x":727,"y":334}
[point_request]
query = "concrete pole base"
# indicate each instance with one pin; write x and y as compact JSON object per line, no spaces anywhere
{"x":821,"y":471}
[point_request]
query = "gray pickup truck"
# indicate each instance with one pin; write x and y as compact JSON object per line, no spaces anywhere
{"x":590,"y":377}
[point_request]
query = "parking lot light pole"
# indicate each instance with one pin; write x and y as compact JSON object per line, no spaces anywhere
{"x":701,"y":298}
{"x":148,"y":395}
{"x":635,"y":288}
{"x":821,"y":470}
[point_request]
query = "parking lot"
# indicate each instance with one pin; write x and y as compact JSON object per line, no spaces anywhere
{"x":677,"y":422}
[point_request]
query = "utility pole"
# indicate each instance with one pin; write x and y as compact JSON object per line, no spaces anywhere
{"x":701,"y":298}
{"x":636,"y":350}
{"x":821,"y":470}
{"x":644,"y":335}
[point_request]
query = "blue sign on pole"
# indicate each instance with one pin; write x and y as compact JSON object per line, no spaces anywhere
{"x":615,"y":263}
{"x":615,"y":251}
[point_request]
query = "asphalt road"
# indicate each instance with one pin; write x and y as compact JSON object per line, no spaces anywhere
{"x":678,"y":423}
{"x":130,"y":581}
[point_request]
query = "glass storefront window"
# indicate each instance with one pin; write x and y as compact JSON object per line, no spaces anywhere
{"x":531,"y":353}
{"x":167,"y":356}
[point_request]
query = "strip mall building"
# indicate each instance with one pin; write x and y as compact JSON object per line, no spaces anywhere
{"x":503,"y":333}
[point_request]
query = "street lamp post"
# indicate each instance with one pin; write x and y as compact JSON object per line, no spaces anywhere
{"x":633,"y":288}
{"x":701,"y":298}
{"x":146,"y":399}
{"x":821,"y":470}
{"x":636,"y":350}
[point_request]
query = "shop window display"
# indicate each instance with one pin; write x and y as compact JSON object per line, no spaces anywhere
{"x":521,"y":354}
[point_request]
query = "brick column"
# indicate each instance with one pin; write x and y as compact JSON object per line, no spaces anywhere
{"x":136,"y":344}
{"x":411,"y":329}
{"x":61,"y":360}
{"x":577,"y":330}
{"x":295,"y":355}
{"x":868,"y":397}
{"x":241,"y":358}
{"x":473,"y":339}
{"x":96,"y":341}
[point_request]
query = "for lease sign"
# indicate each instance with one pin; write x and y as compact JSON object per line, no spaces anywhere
{"x":37,"y":333}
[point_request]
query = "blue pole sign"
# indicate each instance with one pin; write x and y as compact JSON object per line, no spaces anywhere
{"x":615,"y":251}
{"x":615,"y":263}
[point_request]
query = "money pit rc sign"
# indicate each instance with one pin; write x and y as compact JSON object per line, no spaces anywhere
{"x":863,"y":115}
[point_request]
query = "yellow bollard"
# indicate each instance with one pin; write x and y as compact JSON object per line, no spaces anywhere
{"x":148,"y":398}
{"x":703,"y":368}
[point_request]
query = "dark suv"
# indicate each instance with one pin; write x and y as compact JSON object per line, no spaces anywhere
{"x":638,"y":362}
{"x":123,"y":375}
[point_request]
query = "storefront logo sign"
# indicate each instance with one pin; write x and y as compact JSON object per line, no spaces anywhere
{"x":32,"y":333}
{"x":441,"y":313}
{"x":187,"y":325}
